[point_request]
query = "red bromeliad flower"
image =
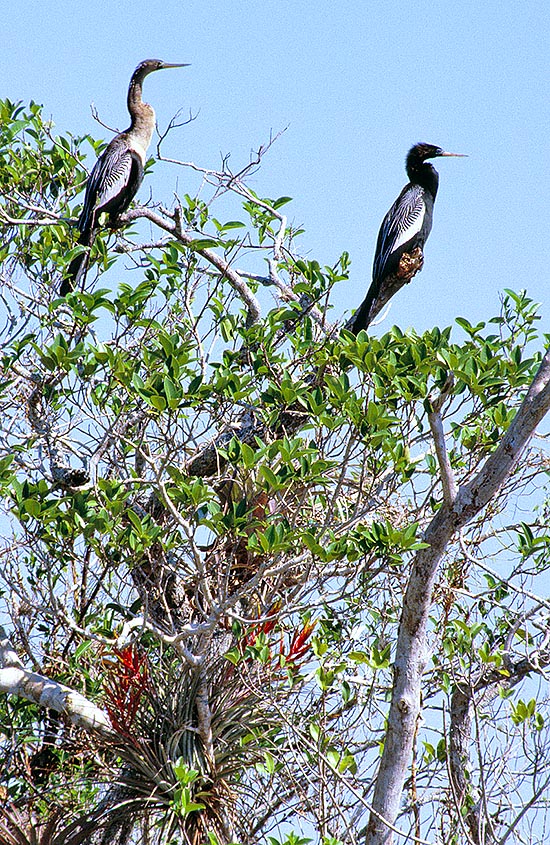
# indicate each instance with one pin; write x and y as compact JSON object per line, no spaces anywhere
{"x":299,"y":645}
{"x":250,"y":638}
{"x":126,"y":682}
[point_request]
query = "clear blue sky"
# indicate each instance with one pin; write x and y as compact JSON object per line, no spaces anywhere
{"x":357,"y":83}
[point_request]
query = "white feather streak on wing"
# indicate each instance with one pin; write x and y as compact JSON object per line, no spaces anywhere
{"x":410,"y":222}
{"x":402,"y":222}
{"x":115,"y":177}
{"x":108,"y":177}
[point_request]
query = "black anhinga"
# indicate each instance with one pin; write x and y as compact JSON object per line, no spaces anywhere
{"x":403,"y":233}
{"x":118,"y":172}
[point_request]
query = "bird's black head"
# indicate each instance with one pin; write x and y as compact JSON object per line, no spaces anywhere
{"x":421,"y":152}
{"x":150,"y":65}
{"x":418,"y":154}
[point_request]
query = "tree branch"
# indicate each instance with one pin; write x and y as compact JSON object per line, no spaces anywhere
{"x":16,"y":680}
{"x":233,"y":277}
{"x":60,"y":468}
{"x":447,"y":475}
{"x":462,"y":703}
{"x":411,"y":651}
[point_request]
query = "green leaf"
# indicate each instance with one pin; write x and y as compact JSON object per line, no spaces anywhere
{"x":203,"y":243}
{"x":32,"y":507}
{"x":173,"y":394}
{"x":158,"y":402}
{"x":82,"y":649}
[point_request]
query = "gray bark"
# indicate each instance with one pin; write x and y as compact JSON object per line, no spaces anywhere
{"x":412,"y":645}
{"x":16,"y":680}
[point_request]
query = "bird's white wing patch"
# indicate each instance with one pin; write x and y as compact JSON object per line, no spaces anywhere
{"x":116,"y":179}
{"x":411,"y":224}
{"x":401,"y":224}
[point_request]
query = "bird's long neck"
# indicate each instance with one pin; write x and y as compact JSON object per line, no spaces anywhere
{"x":422,"y":173}
{"x":142,"y":114}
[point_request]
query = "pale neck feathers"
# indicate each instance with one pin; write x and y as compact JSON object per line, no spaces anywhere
{"x":143,"y":120}
{"x":141,"y":130}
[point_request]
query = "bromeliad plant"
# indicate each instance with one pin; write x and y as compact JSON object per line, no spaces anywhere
{"x":126,"y":683}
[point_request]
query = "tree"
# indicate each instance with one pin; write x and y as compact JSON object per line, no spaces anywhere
{"x":263,"y":580}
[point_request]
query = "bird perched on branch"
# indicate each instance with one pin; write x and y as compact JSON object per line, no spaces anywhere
{"x":403,"y":233}
{"x":118,"y":172}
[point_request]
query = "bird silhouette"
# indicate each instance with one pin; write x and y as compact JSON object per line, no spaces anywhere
{"x":118,"y":172}
{"x":399,"y":251}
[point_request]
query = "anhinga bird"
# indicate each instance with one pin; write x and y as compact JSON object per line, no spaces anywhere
{"x":118,"y":172}
{"x":403,"y":233}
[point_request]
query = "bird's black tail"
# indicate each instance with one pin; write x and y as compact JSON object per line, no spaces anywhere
{"x":79,"y":265}
{"x":365,"y":313}
{"x":382,"y":290}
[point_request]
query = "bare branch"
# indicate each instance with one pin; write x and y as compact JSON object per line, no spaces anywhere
{"x":60,"y":468}
{"x":411,"y":652}
{"x":96,"y":117}
{"x":436,"y":425}
{"x":233,"y":277}
{"x":46,"y":693}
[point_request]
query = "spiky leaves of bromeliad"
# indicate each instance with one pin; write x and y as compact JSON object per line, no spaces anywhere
{"x":196,"y":739}
{"x":126,"y":682}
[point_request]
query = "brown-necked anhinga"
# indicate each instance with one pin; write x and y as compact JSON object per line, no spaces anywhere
{"x":403,"y":233}
{"x":117,"y":173}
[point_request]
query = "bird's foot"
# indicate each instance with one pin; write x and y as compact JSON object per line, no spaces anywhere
{"x":410,"y":264}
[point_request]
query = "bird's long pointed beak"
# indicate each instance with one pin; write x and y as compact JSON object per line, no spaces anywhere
{"x":455,"y":155}
{"x":169,"y":64}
